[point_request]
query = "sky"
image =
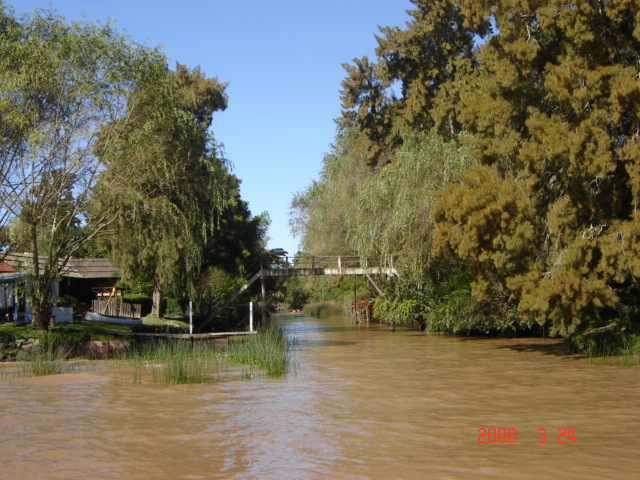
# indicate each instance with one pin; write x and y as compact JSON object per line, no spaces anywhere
{"x":283,"y":62}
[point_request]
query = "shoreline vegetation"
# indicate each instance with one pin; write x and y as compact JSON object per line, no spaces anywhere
{"x":26,"y":352}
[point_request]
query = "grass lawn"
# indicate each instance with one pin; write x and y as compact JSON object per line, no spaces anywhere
{"x":84,"y":331}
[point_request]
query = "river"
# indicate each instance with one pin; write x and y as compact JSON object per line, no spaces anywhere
{"x":361,"y":403}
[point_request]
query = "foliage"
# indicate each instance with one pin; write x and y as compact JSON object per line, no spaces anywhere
{"x":175,"y":362}
{"x":421,"y":61}
{"x":545,"y":219}
{"x":318,"y":213}
{"x":164,"y":216}
{"x":60,"y":84}
{"x":404,"y":303}
{"x":72,"y":333}
{"x":392,"y":214}
{"x":554,"y":118}
{"x":324,"y":309}
{"x":45,"y":360}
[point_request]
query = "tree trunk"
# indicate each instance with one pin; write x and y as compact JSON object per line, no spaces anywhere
{"x":37,"y":295}
{"x":40,"y":320}
{"x":156,"y":305}
{"x":39,"y":298}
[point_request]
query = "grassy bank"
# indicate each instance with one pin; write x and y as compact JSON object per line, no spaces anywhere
{"x":158,"y":361}
{"x":613,"y":349}
{"x":67,"y":332}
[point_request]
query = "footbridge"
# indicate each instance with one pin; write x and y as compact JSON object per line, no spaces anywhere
{"x":312,"y":265}
{"x":296,"y":266}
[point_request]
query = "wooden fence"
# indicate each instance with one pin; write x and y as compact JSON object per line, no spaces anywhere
{"x":115,"y":306}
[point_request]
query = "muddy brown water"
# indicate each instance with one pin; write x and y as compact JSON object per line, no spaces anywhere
{"x":361,"y":403}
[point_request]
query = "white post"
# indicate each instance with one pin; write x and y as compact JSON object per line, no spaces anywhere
{"x":251,"y":316}
{"x":190,"y":318}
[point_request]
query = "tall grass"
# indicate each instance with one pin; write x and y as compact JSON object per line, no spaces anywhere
{"x":617,"y":350}
{"x":175,"y":362}
{"x":324,"y":309}
{"x":46,"y":359}
{"x":268,"y":349}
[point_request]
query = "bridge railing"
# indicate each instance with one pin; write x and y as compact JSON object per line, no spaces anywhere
{"x":313,"y":261}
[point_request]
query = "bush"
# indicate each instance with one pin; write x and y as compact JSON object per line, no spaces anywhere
{"x":324,"y":309}
{"x":145,"y":301}
{"x":405,"y":303}
{"x":175,"y":307}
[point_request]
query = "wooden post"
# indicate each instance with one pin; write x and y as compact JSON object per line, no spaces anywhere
{"x":263,"y":303}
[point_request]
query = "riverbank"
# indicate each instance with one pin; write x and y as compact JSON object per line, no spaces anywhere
{"x":184,"y":358}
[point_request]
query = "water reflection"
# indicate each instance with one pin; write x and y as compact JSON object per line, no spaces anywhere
{"x":362,"y":403}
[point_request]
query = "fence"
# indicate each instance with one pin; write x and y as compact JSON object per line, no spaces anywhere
{"x":116,"y":307}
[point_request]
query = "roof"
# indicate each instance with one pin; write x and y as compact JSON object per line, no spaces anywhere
{"x":90,"y":268}
{"x":6,"y":268}
{"x":75,"y":268}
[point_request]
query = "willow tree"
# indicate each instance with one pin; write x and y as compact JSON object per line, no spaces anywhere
{"x":391,"y":214}
{"x":164,"y":215}
{"x":319,"y":214}
{"x":555,"y":114}
{"x":59,"y":85}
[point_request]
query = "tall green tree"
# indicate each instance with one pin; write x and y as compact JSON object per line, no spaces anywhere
{"x":165,"y":215}
{"x":319,"y":214}
{"x":391,"y":213}
{"x":410,"y":86}
{"x":238,"y":242}
{"x":59,"y":85}
{"x":554,"y":114}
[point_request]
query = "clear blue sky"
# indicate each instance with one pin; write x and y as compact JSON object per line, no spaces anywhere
{"x":282,"y":59}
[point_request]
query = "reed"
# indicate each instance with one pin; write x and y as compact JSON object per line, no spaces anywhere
{"x":268,"y":350}
{"x":175,"y":362}
{"x":45,"y":360}
{"x":324,"y":309}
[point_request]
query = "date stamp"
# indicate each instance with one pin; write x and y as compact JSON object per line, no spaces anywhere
{"x":510,"y":435}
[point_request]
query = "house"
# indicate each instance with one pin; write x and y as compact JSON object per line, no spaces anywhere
{"x":8,"y":277}
{"x":80,"y":278}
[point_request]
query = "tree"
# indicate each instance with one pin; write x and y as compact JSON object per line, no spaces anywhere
{"x":320,"y":213}
{"x":166,"y":214}
{"x":423,"y":61}
{"x":59,"y":85}
{"x":392,"y":211}
{"x":554,"y":111}
{"x":239,"y":240}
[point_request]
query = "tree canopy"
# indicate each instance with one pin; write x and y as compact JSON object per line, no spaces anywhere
{"x":59,"y":85}
{"x":101,"y":140}
{"x":166,"y":213}
{"x":545,"y":97}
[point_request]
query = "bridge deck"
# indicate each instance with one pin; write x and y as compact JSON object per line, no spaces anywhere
{"x":339,"y":265}
{"x":298,"y":272}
